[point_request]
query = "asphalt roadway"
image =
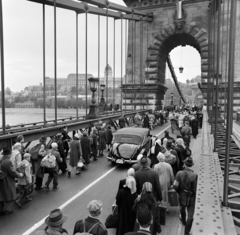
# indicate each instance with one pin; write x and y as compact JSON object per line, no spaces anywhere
{"x":99,"y":181}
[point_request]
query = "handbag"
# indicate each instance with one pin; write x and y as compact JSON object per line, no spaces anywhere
{"x":163,"y":213}
{"x":112,"y":220}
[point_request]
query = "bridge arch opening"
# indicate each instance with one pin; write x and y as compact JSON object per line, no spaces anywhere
{"x":164,"y":43}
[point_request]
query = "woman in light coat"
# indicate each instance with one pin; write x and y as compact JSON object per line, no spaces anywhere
{"x":16,"y":156}
{"x":166,"y":177}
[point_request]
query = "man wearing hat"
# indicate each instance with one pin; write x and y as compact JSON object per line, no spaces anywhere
{"x":146,"y":174}
{"x":91,"y":223}
{"x":94,"y":143}
{"x":186,"y":133}
{"x":63,"y":164}
{"x":144,"y":219}
{"x":54,"y":224}
{"x":7,"y":183}
{"x":186,"y":185}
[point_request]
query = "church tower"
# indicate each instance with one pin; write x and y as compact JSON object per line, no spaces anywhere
{"x":108,"y":73}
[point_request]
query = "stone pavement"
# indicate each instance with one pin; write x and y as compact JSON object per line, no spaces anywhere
{"x":173,"y":225}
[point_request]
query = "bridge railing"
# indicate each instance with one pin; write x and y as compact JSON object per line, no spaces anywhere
{"x":31,"y":134}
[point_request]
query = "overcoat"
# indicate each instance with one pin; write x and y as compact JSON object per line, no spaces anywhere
{"x":194,"y":127}
{"x":38,"y":170}
{"x":94,"y":145}
{"x":102,"y":140}
{"x":166,"y":178}
{"x":109,"y":136}
{"x":125,"y":201}
{"x":147,"y":174}
{"x":7,"y":185}
{"x":76,"y":152}
{"x":86,"y":149}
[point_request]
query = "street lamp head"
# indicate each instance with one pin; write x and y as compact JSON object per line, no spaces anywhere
{"x":181,"y":69}
{"x":171,"y":94}
{"x":93,"y":83}
{"x":102,"y":87}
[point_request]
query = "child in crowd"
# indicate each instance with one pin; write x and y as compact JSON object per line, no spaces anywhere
{"x":24,"y":183}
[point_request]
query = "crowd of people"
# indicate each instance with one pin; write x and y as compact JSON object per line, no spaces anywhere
{"x":140,"y":195}
{"x":145,"y":188}
{"x":18,"y":165}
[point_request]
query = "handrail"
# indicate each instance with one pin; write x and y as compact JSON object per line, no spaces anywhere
{"x":34,"y":128}
{"x":170,"y":66}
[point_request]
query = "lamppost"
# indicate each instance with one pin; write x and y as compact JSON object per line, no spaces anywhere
{"x":102,"y":102}
{"x":93,"y":87}
{"x":172,"y":99}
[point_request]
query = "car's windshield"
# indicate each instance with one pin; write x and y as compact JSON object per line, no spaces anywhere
{"x":128,"y":139}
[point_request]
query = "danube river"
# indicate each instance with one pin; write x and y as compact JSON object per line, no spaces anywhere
{"x":16,"y":116}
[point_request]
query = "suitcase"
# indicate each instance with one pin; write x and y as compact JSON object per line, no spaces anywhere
{"x":173,"y":197}
{"x":163,"y":213}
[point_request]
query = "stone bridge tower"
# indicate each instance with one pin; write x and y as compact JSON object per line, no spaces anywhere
{"x":173,"y":25}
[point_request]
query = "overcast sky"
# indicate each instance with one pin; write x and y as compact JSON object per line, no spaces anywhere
{"x":23,"y":45}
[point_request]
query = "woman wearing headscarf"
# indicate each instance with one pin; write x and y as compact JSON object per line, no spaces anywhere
{"x":148,"y":199}
{"x":130,"y":172}
{"x":154,"y":152}
{"x":166,"y":177}
{"x":125,"y":201}
{"x":180,"y":148}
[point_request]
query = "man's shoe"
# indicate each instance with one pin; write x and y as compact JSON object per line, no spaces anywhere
{"x":55,"y":188}
{"x":46,"y":187}
{"x":28,"y":199}
{"x":7,"y":212}
{"x":38,"y":188}
{"x":69,"y":174}
{"x":78,"y":173}
{"x":95,"y":159}
{"x":18,"y":203}
{"x":183,"y":222}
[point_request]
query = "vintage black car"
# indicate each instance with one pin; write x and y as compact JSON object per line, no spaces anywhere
{"x":128,"y":143}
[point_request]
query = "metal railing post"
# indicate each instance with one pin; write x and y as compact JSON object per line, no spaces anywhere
{"x":231,"y":67}
{"x":86,"y":53}
{"x":218,"y":68}
{"x":2,"y":70}
{"x":55,"y":58}
{"x":44,"y":68}
{"x":77,"y":64}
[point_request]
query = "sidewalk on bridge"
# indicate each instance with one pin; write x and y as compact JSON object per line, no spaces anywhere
{"x":173,"y":225}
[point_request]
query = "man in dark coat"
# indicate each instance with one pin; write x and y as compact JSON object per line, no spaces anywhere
{"x":186,"y":185}
{"x":146,"y":174}
{"x":186,"y":133}
{"x":65,"y":139}
{"x":95,"y":209}
{"x":146,"y":122}
{"x":200,"y":118}
{"x":94,"y":145}
{"x":86,"y":149}
{"x":63,"y":164}
{"x":194,"y":123}
{"x":167,"y":136}
{"x":109,"y":137}
{"x":7,"y":184}
{"x":122,"y":122}
{"x":38,"y":169}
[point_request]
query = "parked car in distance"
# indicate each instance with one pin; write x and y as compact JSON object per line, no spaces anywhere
{"x":128,"y":143}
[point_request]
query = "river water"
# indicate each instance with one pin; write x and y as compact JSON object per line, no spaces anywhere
{"x":16,"y":116}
